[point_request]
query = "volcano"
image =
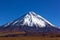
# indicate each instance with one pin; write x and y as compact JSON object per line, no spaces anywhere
{"x":30,"y":24}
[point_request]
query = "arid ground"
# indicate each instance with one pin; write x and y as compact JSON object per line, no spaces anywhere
{"x":26,"y":37}
{"x":30,"y":38}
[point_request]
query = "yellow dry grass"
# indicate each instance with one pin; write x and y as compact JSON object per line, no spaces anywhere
{"x":2,"y":34}
{"x":29,"y":38}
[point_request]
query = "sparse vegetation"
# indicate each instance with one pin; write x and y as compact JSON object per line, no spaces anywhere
{"x":29,"y":38}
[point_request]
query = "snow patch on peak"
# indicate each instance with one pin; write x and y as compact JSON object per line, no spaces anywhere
{"x":7,"y":24}
{"x":34,"y":19}
{"x":32,"y":13}
{"x":31,"y":20}
{"x":41,"y":18}
{"x":45,"y":20}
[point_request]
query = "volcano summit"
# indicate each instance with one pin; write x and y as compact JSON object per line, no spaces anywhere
{"x":30,"y":19}
{"x":30,"y":24}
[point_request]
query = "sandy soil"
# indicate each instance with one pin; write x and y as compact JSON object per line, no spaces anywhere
{"x":29,"y":38}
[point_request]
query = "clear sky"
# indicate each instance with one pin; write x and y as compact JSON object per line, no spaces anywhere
{"x":13,"y":9}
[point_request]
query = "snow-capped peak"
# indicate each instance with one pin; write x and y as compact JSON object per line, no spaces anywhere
{"x":33,"y":19}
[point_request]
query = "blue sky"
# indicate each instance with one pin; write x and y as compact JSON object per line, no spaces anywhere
{"x":12,"y":9}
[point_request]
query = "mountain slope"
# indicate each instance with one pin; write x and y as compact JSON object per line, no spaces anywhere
{"x":32,"y":24}
{"x":30,"y":19}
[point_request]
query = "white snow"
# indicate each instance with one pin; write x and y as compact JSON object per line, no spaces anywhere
{"x":30,"y":20}
{"x":35,"y":19}
{"x":45,"y":20}
{"x":15,"y":22}
{"x":7,"y":24}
